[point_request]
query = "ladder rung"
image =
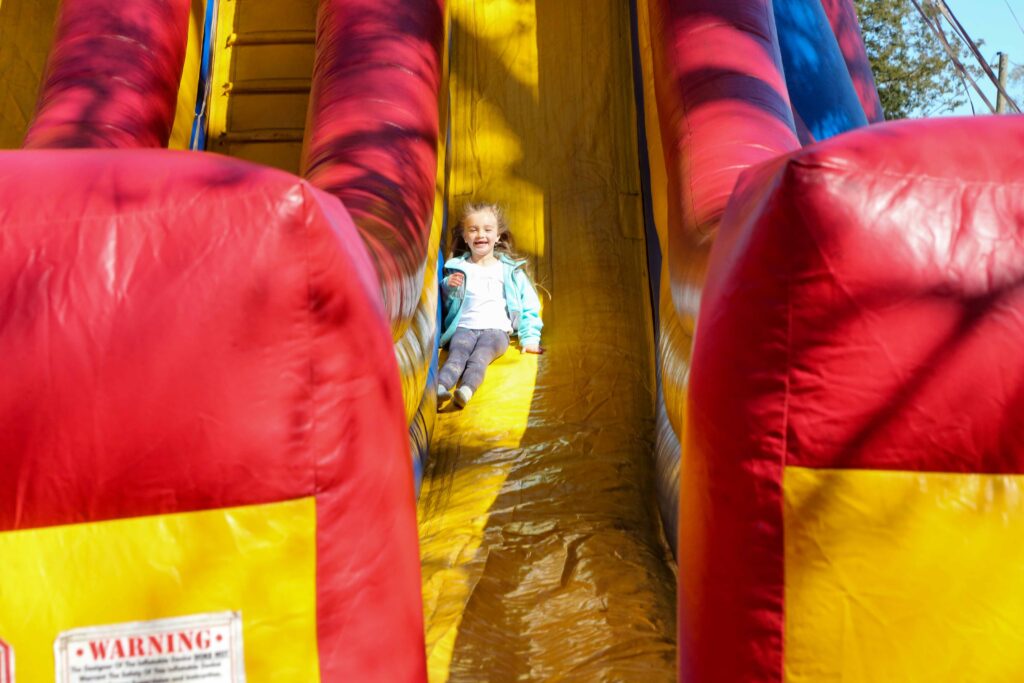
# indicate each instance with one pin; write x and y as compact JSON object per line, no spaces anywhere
{"x":272,"y":38}
{"x":269,"y":86}
{"x":273,"y":136}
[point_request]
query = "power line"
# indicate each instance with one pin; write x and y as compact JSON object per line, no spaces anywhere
{"x":961,"y":32}
{"x":970,"y":101}
{"x":936,"y":30}
{"x":1014,"y":14}
{"x":934,"y":23}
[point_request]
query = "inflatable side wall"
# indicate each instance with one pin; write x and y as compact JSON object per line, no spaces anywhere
{"x":713,"y":78}
{"x":716,"y":103}
{"x":202,"y":424}
{"x":112,"y":75}
{"x":842,"y":17}
{"x":307,"y":426}
{"x":372,"y":140}
{"x":862,"y":306}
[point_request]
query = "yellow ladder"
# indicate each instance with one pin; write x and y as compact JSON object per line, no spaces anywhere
{"x":263,"y":64}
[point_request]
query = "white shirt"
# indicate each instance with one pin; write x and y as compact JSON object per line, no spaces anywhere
{"x":484,"y":306}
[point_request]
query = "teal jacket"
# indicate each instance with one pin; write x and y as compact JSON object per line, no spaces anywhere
{"x":521,"y":300}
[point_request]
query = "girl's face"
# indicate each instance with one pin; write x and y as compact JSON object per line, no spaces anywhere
{"x":480,"y":230}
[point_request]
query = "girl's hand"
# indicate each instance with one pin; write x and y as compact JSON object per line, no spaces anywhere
{"x":455,"y":280}
{"x":532,"y":348}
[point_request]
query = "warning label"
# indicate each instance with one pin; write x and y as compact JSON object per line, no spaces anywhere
{"x":199,"y":648}
{"x":6,"y":663}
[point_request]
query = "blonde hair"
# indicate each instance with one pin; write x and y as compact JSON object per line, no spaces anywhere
{"x":504,"y":243}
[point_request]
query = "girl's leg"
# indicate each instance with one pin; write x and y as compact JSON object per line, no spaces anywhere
{"x":459,"y":350}
{"x":489,"y":345}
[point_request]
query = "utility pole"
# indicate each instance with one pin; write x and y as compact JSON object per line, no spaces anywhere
{"x":1004,"y":67}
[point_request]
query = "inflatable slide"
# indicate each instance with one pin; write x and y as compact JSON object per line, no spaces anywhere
{"x":779,"y":349}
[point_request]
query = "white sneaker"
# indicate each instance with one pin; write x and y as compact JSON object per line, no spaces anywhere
{"x":443,"y":394}
{"x":462,"y":396}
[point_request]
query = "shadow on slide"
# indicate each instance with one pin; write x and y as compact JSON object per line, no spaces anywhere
{"x":542,"y":552}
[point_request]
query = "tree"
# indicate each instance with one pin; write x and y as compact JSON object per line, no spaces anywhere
{"x":912,"y":71}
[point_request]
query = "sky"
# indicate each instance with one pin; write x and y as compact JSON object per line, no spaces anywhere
{"x":993,"y":22}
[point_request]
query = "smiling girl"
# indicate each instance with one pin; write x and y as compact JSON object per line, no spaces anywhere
{"x":487,"y":296}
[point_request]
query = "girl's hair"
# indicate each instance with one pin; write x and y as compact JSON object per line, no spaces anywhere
{"x":504,"y":243}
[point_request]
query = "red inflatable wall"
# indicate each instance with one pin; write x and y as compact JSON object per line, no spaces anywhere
{"x":184,"y":332}
{"x":373,"y":128}
{"x":112,"y":75}
{"x":861,"y":322}
{"x":723,"y":106}
{"x":842,"y":15}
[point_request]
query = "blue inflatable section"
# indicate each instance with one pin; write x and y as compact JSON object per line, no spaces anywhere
{"x":819,"y":83}
{"x":422,"y":425}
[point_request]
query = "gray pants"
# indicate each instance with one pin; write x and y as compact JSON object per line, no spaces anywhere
{"x":469,"y":354}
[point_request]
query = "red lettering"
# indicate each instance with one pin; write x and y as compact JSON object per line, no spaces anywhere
{"x":145,"y":646}
{"x":98,"y":649}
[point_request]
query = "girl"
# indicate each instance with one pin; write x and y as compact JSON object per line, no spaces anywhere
{"x":487,"y":296}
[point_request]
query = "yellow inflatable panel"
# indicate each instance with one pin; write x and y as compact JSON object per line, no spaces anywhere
{"x":187,"y":91}
{"x":258,"y":560}
{"x":888,"y":576}
{"x":26,"y":31}
{"x":542,"y":552}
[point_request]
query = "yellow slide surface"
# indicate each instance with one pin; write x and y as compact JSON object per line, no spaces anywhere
{"x":26,"y":32}
{"x":542,"y":554}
